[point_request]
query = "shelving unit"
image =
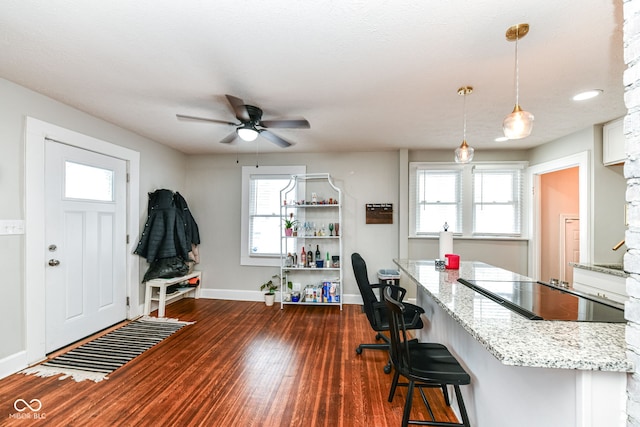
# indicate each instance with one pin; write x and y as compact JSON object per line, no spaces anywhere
{"x":315,"y":203}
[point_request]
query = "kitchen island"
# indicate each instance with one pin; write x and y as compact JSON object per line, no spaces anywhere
{"x":523,"y":372}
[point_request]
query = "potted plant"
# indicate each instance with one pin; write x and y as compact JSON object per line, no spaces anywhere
{"x":289,"y":223}
{"x":271,"y":287}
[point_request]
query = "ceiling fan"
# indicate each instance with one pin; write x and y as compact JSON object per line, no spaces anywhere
{"x":251,"y":124}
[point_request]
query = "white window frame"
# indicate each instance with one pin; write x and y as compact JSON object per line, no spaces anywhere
{"x":517,"y":196}
{"x":413,"y":194}
{"x":246,"y":257}
{"x":467,"y":204}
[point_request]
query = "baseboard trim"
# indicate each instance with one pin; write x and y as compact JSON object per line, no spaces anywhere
{"x":240,"y":295}
{"x":13,"y":363}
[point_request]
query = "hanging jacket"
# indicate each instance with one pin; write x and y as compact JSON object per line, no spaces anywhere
{"x":169,"y":230}
{"x":191,"y":228}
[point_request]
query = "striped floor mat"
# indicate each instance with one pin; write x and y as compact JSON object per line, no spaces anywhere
{"x":95,"y":359}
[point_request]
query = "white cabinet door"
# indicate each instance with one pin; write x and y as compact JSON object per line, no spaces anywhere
{"x":613,"y":150}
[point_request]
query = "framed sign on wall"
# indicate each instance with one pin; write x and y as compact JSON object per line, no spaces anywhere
{"x":379,"y":213}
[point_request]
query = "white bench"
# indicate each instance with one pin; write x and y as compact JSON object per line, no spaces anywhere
{"x":162,"y":297}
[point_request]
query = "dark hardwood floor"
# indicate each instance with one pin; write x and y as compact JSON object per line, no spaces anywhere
{"x":240,"y":364}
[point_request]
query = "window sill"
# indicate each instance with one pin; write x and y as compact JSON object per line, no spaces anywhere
{"x":458,"y":237}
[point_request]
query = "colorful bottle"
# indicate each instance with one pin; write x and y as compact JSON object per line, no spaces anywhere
{"x":303,"y":258}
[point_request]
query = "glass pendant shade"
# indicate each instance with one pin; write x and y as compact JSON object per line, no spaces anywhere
{"x":464,"y":153}
{"x":247,"y":133}
{"x":518,"y":124}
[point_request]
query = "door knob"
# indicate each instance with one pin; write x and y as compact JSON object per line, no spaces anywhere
{"x":54,"y":262}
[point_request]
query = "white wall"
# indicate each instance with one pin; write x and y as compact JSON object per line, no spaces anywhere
{"x":160,"y":167}
{"x":632,"y":170}
{"x":214,"y":188}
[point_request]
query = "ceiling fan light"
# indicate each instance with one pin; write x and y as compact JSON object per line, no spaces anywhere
{"x":518,"y":124}
{"x":247,"y":133}
{"x":464,"y":153}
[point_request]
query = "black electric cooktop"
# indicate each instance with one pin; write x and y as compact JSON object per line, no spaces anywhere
{"x":541,"y":301}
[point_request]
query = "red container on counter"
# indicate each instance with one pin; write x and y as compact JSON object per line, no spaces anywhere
{"x":451,"y":261}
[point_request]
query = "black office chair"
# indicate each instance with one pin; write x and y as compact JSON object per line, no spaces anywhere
{"x":376,"y":310}
{"x":424,"y":365}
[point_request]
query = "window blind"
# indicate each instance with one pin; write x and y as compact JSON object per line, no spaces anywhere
{"x":437,"y":195}
{"x":497,"y":200}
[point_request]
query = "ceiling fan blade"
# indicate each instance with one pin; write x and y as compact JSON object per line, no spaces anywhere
{"x":275,"y":138}
{"x":286,"y":123}
{"x":239,"y":108}
{"x":184,"y":116}
{"x":229,"y":138}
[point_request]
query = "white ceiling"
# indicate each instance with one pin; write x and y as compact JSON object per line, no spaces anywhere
{"x":367,"y":74}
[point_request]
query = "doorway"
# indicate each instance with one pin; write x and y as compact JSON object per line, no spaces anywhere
{"x":559,"y":197}
{"x":36,"y":252}
{"x":539,"y":243}
{"x":569,"y":245}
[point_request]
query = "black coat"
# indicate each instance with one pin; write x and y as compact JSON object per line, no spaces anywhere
{"x":170,"y":229}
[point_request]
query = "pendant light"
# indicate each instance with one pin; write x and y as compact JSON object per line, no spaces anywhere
{"x":519,"y":123}
{"x":464,"y":153}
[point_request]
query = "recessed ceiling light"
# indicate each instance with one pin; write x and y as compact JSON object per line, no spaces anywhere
{"x":501,"y":139}
{"x":588,"y":94}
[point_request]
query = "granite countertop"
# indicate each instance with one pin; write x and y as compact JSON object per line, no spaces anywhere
{"x":613,"y":269}
{"x":510,"y":337}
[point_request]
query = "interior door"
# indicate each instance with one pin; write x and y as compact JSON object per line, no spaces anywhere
{"x":571,"y":247}
{"x":85,"y":231}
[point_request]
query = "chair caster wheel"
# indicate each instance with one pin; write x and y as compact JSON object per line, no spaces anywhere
{"x":387,"y":369}
{"x":358,"y":350}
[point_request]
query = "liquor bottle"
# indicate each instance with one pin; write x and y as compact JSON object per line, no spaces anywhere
{"x":309,"y":258}
{"x":303,"y":258}
{"x":327,"y":261}
{"x":318,"y":254}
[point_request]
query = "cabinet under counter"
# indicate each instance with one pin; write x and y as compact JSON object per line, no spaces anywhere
{"x":606,"y":281}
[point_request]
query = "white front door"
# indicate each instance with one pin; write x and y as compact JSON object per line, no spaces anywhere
{"x":85,"y":229}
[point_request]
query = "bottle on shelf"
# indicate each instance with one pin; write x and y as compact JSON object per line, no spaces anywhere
{"x":303,"y":258}
{"x":309,"y":258}
{"x":327,"y":261}
{"x":318,"y":255}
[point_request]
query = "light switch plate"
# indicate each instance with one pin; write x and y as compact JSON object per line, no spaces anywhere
{"x":11,"y":226}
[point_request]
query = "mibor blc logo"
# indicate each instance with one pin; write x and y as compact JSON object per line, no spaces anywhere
{"x":27,"y":410}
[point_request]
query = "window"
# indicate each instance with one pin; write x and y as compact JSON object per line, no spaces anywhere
{"x":437,"y":194}
{"x":261,"y":212}
{"x":497,"y":195}
{"x":87,"y":182}
{"x":480,"y":199}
